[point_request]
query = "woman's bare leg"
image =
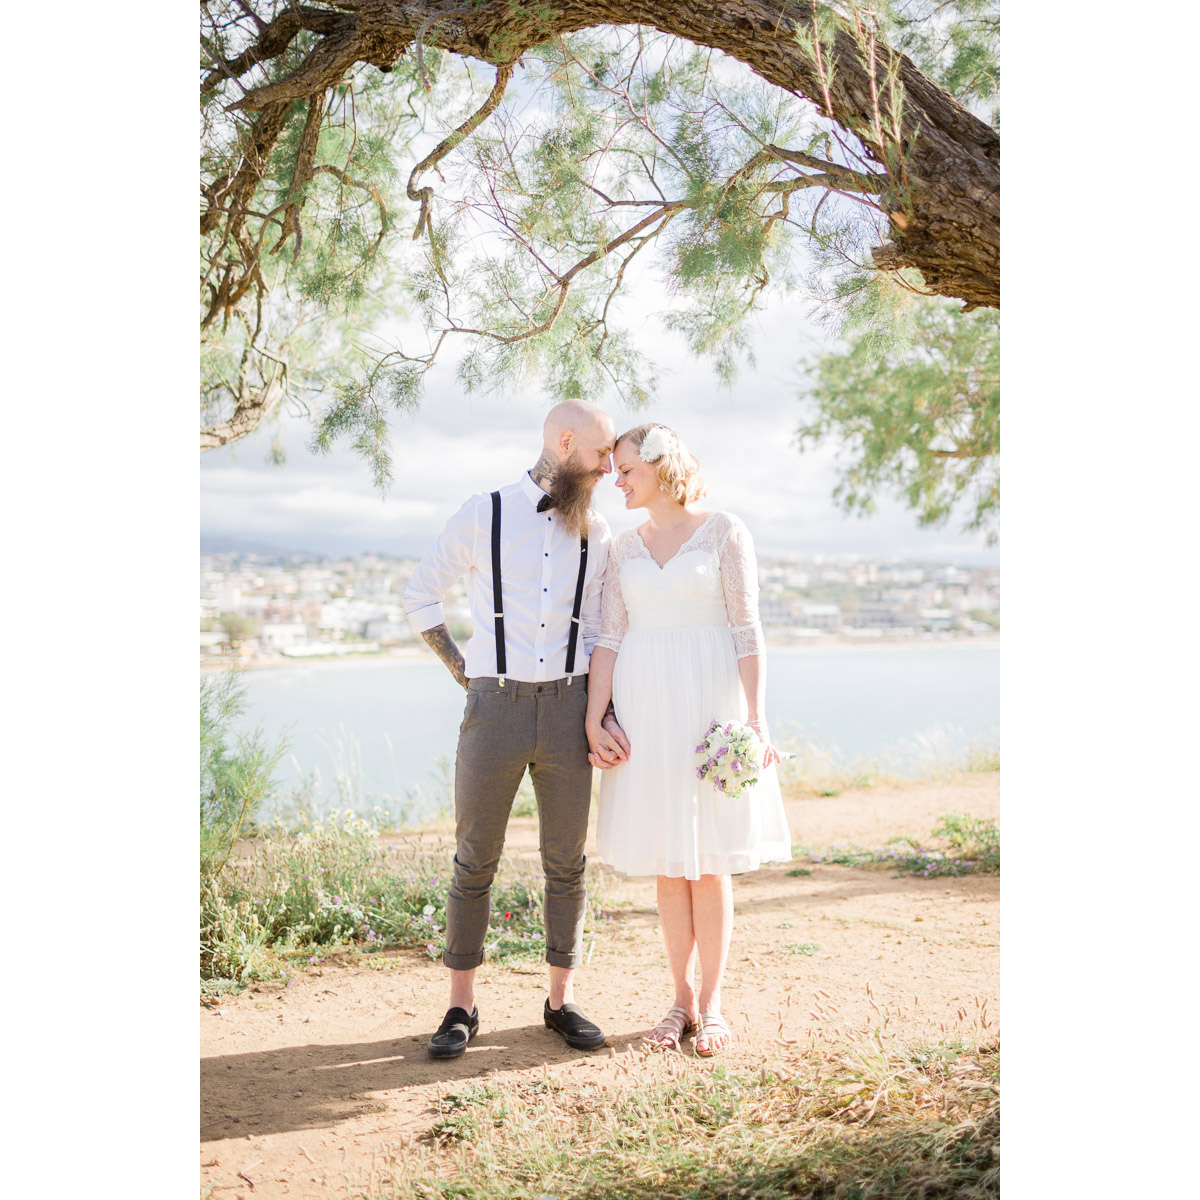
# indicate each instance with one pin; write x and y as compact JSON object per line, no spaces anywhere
{"x":712,"y":925}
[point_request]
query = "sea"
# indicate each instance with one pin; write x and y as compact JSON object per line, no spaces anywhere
{"x":380,"y":732}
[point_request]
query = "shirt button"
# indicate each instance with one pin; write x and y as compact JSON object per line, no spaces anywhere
{"x":545,"y":589}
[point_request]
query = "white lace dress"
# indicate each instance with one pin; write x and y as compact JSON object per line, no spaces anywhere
{"x":679,"y":630}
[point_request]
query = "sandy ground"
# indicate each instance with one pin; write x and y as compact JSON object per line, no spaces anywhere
{"x":308,"y":1089}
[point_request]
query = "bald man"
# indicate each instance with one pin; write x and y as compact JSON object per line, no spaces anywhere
{"x":533,"y":554}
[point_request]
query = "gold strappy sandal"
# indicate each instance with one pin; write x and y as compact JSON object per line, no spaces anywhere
{"x":672,"y":1029}
{"x":712,"y":1026}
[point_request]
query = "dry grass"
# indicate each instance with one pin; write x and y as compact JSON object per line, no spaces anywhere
{"x":858,"y":1117}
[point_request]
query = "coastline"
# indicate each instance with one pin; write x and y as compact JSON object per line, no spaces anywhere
{"x":394,"y":654}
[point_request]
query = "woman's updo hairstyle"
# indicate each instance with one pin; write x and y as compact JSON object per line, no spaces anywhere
{"x":678,"y":471}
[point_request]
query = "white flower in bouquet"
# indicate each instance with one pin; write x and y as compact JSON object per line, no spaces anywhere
{"x":730,"y":757}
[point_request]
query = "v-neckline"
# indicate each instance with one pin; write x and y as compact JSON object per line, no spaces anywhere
{"x":662,"y":566}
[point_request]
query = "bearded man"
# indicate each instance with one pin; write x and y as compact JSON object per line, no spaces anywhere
{"x":533,"y":554}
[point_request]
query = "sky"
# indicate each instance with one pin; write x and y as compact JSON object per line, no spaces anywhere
{"x":456,"y":445}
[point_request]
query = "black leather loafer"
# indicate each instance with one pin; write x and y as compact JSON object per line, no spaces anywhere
{"x":575,"y":1029}
{"x":455,"y":1031}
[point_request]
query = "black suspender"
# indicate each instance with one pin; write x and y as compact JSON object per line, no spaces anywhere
{"x":574,"y":634}
{"x":498,"y":600}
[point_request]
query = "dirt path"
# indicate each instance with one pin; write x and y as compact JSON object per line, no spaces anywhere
{"x":307,"y":1089}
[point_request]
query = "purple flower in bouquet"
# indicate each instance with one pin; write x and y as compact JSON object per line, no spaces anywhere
{"x":730,"y":758}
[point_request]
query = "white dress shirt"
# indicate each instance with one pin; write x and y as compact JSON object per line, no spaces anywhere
{"x":539,"y":566}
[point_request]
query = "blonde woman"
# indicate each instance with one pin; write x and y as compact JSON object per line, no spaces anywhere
{"x":680,"y":645}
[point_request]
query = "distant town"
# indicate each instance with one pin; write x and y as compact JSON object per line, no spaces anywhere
{"x":261,"y":610}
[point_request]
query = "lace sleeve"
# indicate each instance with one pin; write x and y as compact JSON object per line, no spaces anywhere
{"x":739,"y":582}
{"x":614,"y":620}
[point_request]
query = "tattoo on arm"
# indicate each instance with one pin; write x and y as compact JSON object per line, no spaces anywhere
{"x":444,"y":646}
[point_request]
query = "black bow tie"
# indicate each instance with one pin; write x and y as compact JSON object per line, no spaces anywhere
{"x":545,"y":502}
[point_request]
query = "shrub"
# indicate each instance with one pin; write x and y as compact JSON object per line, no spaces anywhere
{"x":972,"y":847}
{"x":333,"y":884}
{"x":235,"y":772}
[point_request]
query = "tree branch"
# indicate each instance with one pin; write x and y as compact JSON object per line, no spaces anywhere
{"x":425,"y":195}
{"x":274,"y":39}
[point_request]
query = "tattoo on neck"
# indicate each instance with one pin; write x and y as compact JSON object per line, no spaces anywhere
{"x":543,"y":471}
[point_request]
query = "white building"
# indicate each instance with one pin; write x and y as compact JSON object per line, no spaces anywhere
{"x":276,"y":635}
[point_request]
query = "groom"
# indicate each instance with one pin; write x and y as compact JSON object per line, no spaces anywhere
{"x":533,"y":554}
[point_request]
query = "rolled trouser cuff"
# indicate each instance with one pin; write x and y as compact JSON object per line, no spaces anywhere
{"x":566,"y":905}
{"x":467,"y":915}
{"x":462,"y":962}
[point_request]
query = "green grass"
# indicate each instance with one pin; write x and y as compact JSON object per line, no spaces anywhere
{"x":865,"y":1120}
{"x":302,"y":893}
{"x":970,"y":846}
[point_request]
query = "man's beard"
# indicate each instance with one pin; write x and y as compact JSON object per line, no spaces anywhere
{"x":572,"y":488}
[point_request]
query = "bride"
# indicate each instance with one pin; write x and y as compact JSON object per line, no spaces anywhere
{"x":680,"y":645}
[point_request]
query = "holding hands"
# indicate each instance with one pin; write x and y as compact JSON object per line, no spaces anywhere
{"x":609,"y":745}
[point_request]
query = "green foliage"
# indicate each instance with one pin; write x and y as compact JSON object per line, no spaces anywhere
{"x":235,"y":772}
{"x":955,"y":44}
{"x":239,"y":627}
{"x":971,"y":838}
{"x":806,"y":948}
{"x":334,"y":883}
{"x":972,"y":847}
{"x":321,"y":280}
{"x":915,"y":400}
{"x":618,"y":152}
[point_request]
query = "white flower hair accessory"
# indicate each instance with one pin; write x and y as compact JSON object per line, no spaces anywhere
{"x":659,"y":441}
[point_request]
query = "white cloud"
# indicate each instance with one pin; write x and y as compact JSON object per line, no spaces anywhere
{"x":743,"y":437}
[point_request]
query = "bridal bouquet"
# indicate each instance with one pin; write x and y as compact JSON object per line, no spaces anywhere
{"x":730,"y":757}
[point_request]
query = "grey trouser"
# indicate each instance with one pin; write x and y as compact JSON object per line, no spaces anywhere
{"x":504,"y":731}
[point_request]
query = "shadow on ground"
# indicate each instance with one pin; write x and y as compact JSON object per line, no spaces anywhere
{"x":301,"y":1087}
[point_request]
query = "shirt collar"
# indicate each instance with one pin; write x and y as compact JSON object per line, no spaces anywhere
{"x":531,"y":490}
